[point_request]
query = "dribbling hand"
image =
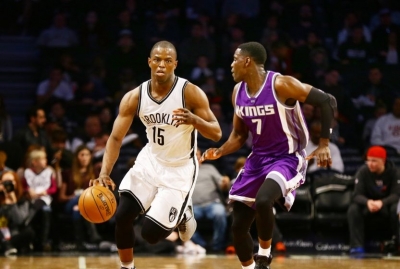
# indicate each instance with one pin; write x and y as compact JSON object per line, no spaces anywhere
{"x":210,"y":154}
{"x":102,"y":180}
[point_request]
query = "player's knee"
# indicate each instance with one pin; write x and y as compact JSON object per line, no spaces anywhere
{"x":153,"y":233}
{"x":150,"y":237}
{"x":264,"y":202}
{"x":128,"y":209}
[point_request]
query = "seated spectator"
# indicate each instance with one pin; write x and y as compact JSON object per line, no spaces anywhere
{"x":201,"y":71}
{"x":6,"y":127}
{"x":248,"y":9}
{"x":390,"y":54}
{"x":33,"y":133}
{"x":208,"y":203}
{"x":74,"y":181}
{"x":93,"y":36}
{"x":281,"y":58}
{"x":315,"y":133}
{"x":384,"y":29}
{"x":308,"y":113}
{"x":350,"y":20}
{"x":386,"y":130}
{"x":58,"y":114}
{"x":380,"y":110}
{"x":15,"y":235}
{"x":91,"y":95}
{"x":107,"y":117}
{"x":126,"y":54}
{"x":376,"y":194}
{"x":398,"y":213}
{"x":196,"y":45}
{"x":332,"y":84}
{"x":56,"y":39}
{"x":376,"y":90}
{"x":355,"y":51}
{"x":306,"y":23}
{"x":92,"y":130}
{"x":304,"y":64}
{"x":54,"y":88}
{"x":127,"y":81}
{"x":71,"y":69}
{"x":62,"y":158}
{"x":3,"y":159}
{"x":160,"y":26}
{"x":40,"y":184}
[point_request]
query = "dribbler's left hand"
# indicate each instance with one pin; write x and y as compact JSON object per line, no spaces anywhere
{"x":323,"y":156}
{"x":183,"y":116}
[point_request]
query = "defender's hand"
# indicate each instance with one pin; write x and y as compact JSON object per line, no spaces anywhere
{"x":210,"y":154}
{"x":323,"y":155}
{"x":103,"y":180}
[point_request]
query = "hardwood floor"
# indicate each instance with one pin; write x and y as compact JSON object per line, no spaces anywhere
{"x":193,"y":262}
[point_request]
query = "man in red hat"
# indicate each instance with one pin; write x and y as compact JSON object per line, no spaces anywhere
{"x":376,"y":193}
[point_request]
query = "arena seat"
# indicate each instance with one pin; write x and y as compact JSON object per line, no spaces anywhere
{"x":302,"y":211}
{"x":332,"y":194}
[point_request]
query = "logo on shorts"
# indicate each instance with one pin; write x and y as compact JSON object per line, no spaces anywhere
{"x":172,"y":214}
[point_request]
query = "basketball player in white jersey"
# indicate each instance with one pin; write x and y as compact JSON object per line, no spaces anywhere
{"x":162,"y":180}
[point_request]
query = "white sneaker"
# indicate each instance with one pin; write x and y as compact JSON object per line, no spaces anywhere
{"x":188,"y":225}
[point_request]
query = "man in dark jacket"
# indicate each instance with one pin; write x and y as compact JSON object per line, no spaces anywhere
{"x":377,"y":190}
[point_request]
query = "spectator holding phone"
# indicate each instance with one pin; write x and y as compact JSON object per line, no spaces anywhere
{"x":14,"y":209}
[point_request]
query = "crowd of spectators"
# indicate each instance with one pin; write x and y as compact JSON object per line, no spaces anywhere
{"x":93,"y":52}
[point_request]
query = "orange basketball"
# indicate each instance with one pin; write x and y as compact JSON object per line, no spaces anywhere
{"x":97,"y":204}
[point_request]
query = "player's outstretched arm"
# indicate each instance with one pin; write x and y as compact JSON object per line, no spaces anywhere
{"x":236,"y":139}
{"x":122,"y":123}
{"x":198,"y":113}
{"x":289,"y":90}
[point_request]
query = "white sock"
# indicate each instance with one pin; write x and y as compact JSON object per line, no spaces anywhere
{"x":251,"y":266}
{"x":264,"y":251}
{"x":128,"y":265}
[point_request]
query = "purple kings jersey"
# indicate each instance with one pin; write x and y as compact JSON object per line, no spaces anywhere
{"x":276,"y":128}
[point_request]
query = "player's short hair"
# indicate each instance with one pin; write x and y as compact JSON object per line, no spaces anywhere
{"x":164,"y":44}
{"x":255,"y":50}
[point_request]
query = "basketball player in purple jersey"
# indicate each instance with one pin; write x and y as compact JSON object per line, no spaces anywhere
{"x":267,"y":105}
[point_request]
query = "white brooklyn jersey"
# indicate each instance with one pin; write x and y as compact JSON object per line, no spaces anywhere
{"x":170,"y":144}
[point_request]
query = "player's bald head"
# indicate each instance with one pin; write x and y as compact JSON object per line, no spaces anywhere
{"x":164,"y":45}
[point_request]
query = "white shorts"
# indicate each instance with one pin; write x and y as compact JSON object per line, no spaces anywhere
{"x":163,"y":191}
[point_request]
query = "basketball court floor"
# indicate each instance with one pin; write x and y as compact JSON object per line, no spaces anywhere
{"x":88,"y":261}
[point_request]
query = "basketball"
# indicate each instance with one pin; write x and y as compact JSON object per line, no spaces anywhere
{"x":97,"y":204}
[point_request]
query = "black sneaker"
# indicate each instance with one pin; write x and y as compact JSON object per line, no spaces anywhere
{"x":262,"y":262}
{"x":127,"y":268}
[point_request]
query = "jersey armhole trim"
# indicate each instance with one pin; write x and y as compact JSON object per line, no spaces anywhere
{"x":278,"y":103}
{"x":183,"y":94}
{"x":139,"y":101}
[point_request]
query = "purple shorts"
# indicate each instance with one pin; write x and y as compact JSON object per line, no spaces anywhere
{"x":287,"y":170}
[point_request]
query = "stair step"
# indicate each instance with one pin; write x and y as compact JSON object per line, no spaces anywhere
{"x":12,"y":78}
{"x":18,"y":107}
{"x":19,"y":69}
{"x":17,"y":39}
{"x":12,"y":57}
{"x":19,"y":75}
